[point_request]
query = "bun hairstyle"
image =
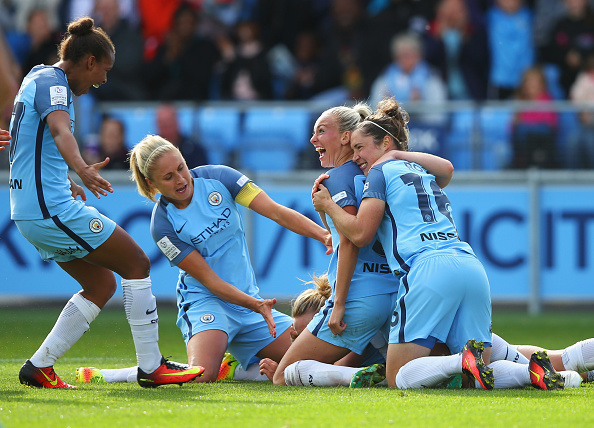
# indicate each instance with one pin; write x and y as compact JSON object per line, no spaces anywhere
{"x":82,"y":39}
{"x":349,"y":117}
{"x":312,"y":299}
{"x":389,"y":119}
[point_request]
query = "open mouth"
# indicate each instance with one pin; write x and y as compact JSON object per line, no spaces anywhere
{"x":96,"y":85}
{"x":362,"y":166}
{"x":182,"y":189}
{"x":321,"y":151}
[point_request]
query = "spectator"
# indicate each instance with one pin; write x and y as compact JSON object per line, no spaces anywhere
{"x":534,"y":131}
{"x":168,"y":128}
{"x":183,"y":66}
{"x":509,"y":26}
{"x":307,"y":57}
{"x":570,"y":41}
{"x":580,"y":150}
{"x":111,"y":144}
{"x":157,"y":18}
{"x":124,"y":84}
{"x":246,"y":74}
{"x":43,"y":40}
{"x":346,"y":60}
{"x":410,"y":78}
{"x":458,"y":47}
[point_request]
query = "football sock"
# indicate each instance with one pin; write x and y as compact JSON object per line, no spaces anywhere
{"x":580,"y":356}
{"x":252,"y":373}
{"x":509,"y":375}
{"x":141,"y":312}
{"x":72,"y":323}
{"x":428,"y":371}
{"x":314,"y":373}
{"x":129,"y":374}
{"x":590,"y":376}
{"x":501,"y":350}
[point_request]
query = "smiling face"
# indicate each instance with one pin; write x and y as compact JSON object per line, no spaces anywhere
{"x":366,"y":152}
{"x":171,"y":177}
{"x":330,"y":143}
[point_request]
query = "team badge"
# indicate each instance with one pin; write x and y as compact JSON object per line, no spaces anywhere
{"x":207,"y":318}
{"x":215,"y":199}
{"x":96,"y":225}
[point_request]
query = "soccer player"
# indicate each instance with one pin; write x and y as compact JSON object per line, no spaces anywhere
{"x":86,"y":244}
{"x":444,"y":291}
{"x":364,"y":289}
{"x":196,"y":224}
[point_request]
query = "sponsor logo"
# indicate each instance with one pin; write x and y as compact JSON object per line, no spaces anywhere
{"x":377,"y":267}
{"x":96,"y":225}
{"x":52,"y":382}
{"x":207,"y":318}
{"x":438,"y":236}
{"x":215,"y":199}
{"x":219,"y":224}
{"x":310,"y":380}
{"x":150,"y":312}
{"x":16,"y":183}
{"x":242,"y":180}
{"x":366,"y":186}
{"x":395,"y":319}
{"x":180,"y":229}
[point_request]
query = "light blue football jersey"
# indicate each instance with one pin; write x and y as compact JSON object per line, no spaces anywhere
{"x":39,"y":185}
{"x":212,"y":225}
{"x":372,"y":273}
{"x":418,"y":213}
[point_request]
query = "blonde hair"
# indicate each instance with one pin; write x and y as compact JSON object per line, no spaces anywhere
{"x":312,"y":299}
{"x":349,"y":117}
{"x":143,"y":156}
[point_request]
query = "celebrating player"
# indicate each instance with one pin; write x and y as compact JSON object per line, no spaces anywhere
{"x":86,"y":244}
{"x":364,"y":288}
{"x":197,"y":225}
{"x":444,"y":292}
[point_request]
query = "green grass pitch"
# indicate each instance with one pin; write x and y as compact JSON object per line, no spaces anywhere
{"x":260,"y":404}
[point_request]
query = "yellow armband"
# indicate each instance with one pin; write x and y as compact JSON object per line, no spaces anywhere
{"x":247,"y":194}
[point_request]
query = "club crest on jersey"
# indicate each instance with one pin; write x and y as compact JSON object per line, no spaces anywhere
{"x":207,"y":318}
{"x":96,"y":225}
{"x":215,"y":198}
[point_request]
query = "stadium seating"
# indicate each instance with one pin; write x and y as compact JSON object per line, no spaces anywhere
{"x":219,"y":131}
{"x":138,"y":122}
{"x":291,"y":123}
{"x":262,"y":153}
{"x":495,"y":138}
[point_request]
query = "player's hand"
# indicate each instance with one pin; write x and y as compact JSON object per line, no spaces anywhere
{"x":77,"y":190}
{"x":336,"y":322}
{"x":321,"y":198}
{"x":4,"y":139}
{"x":328,"y":243}
{"x":316,"y":185}
{"x":93,"y":181}
{"x":264,"y":308}
{"x":268,"y":367}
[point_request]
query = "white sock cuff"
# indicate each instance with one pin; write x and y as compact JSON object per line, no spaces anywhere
{"x":86,"y":307}
{"x":573,"y":358}
{"x":137,"y":284}
{"x":292,"y":375}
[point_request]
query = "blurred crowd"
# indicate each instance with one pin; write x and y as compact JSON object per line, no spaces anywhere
{"x":332,"y":50}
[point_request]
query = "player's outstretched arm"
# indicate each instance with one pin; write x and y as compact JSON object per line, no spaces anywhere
{"x":291,"y":219}
{"x":59,"y":125}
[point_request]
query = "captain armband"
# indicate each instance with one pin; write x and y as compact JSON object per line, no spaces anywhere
{"x":247,"y":194}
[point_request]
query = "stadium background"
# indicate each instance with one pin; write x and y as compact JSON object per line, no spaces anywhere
{"x":530,"y":226}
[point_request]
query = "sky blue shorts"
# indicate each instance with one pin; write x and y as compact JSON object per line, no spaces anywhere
{"x":246,"y":330}
{"x":444,"y":298}
{"x":364,"y":318}
{"x":72,"y":234}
